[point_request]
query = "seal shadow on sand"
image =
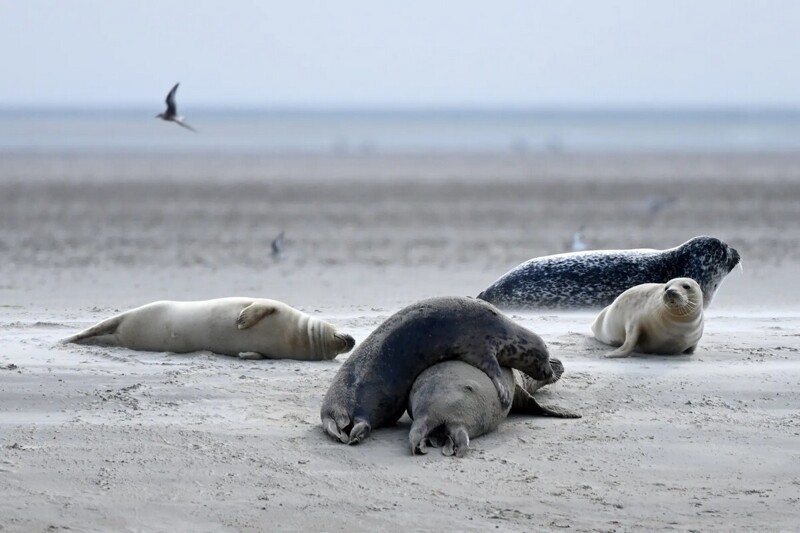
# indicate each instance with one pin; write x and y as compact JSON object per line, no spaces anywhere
{"x":185,"y":359}
{"x":585,"y":345}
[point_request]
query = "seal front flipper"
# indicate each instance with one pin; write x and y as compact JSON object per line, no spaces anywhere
{"x":251,"y":355}
{"x":631,"y":338}
{"x":254,"y":312}
{"x":488,"y":363}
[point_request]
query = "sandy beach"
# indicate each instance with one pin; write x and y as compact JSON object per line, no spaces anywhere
{"x":102,"y":439}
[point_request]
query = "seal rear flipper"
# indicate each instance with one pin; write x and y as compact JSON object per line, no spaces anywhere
{"x":359,"y":432}
{"x":336,"y":428}
{"x":106,"y":327}
{"x":524,"y":403}
{"x":417,"y":437}
{"x":457,"y":442}
{"x":254,"y":312}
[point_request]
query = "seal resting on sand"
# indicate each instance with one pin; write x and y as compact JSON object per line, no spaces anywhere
{"x":660,"y":318}
{"x":593,"y":279}
{"x":251,"y":328}
{"x":452,"y":402}
{"x":371,"y":388}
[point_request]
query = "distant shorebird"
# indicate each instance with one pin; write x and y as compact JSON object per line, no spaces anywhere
{"x":658,"y":203}
{"x":171,"y":114}
{"x":578,"y":244}
{"x":277,"y":245}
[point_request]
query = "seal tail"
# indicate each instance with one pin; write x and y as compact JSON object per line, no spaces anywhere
{"x":106,"y":327}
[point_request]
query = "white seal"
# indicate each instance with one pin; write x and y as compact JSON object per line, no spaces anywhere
{"x":251,"y":328}
{"x":660,"y":318}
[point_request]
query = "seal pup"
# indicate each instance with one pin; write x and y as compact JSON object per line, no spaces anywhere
{"x":371,"y":388}
{"x":171,"y":114}
{"x":251,"y":328}
{"x":660,"y":318}
{"x":453,"y":402}
{"x":592,"y":279}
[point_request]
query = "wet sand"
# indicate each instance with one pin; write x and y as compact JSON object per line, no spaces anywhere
{"x":98,"y":439}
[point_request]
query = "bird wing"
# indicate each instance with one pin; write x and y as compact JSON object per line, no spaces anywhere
{"x":185,"y":125}
{"x":172,"y":109}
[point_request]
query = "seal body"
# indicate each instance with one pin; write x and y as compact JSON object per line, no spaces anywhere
{"x":592,"y":279}
{"x":371,"y":388}
{"x":251,"y":328}
{"x":453,"y":402}
{"x":660,"y":318}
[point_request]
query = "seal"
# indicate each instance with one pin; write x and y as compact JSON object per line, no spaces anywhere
{"x":453,"y":402}
{"x":251,"y":328}
{"x":592,"y":279}
{"x":371,"y":388}
{"x":661,"y":318}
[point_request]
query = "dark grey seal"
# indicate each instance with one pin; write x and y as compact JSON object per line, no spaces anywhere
{"x":453,"y":402}
{"x":371,"y":388}
{"x":593,"y":279}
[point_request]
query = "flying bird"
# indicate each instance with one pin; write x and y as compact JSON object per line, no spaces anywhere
{"x":171,"y":114}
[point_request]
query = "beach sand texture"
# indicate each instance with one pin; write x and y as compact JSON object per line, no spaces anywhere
{"x":102,"y":439}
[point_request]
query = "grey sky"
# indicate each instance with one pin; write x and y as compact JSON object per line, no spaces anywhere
{"x":410,"y":53}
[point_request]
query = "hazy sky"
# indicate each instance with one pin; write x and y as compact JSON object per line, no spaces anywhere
{"x":410,"y":53}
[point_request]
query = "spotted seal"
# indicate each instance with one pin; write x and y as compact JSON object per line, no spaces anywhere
{"x":453,"y":402}
{"x":592,"y":279}
{"x":371,"y":388}
{"x":662,"y":318}
{"x":251,"y":328}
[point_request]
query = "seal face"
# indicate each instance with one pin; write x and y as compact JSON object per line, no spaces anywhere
{"x":251,"y":328}
{"x":593,"y":279}
{"x":371,"y":387}
{"x":453,"y":402}
{"x":660,"y":318}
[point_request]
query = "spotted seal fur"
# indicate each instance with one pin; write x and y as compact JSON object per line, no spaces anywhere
{"x":592,"y":279}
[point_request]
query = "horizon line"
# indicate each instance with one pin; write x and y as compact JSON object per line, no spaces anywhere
{"x":634,"y":109}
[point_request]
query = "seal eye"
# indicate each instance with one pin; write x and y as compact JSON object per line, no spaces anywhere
{"x":686,"y":286}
